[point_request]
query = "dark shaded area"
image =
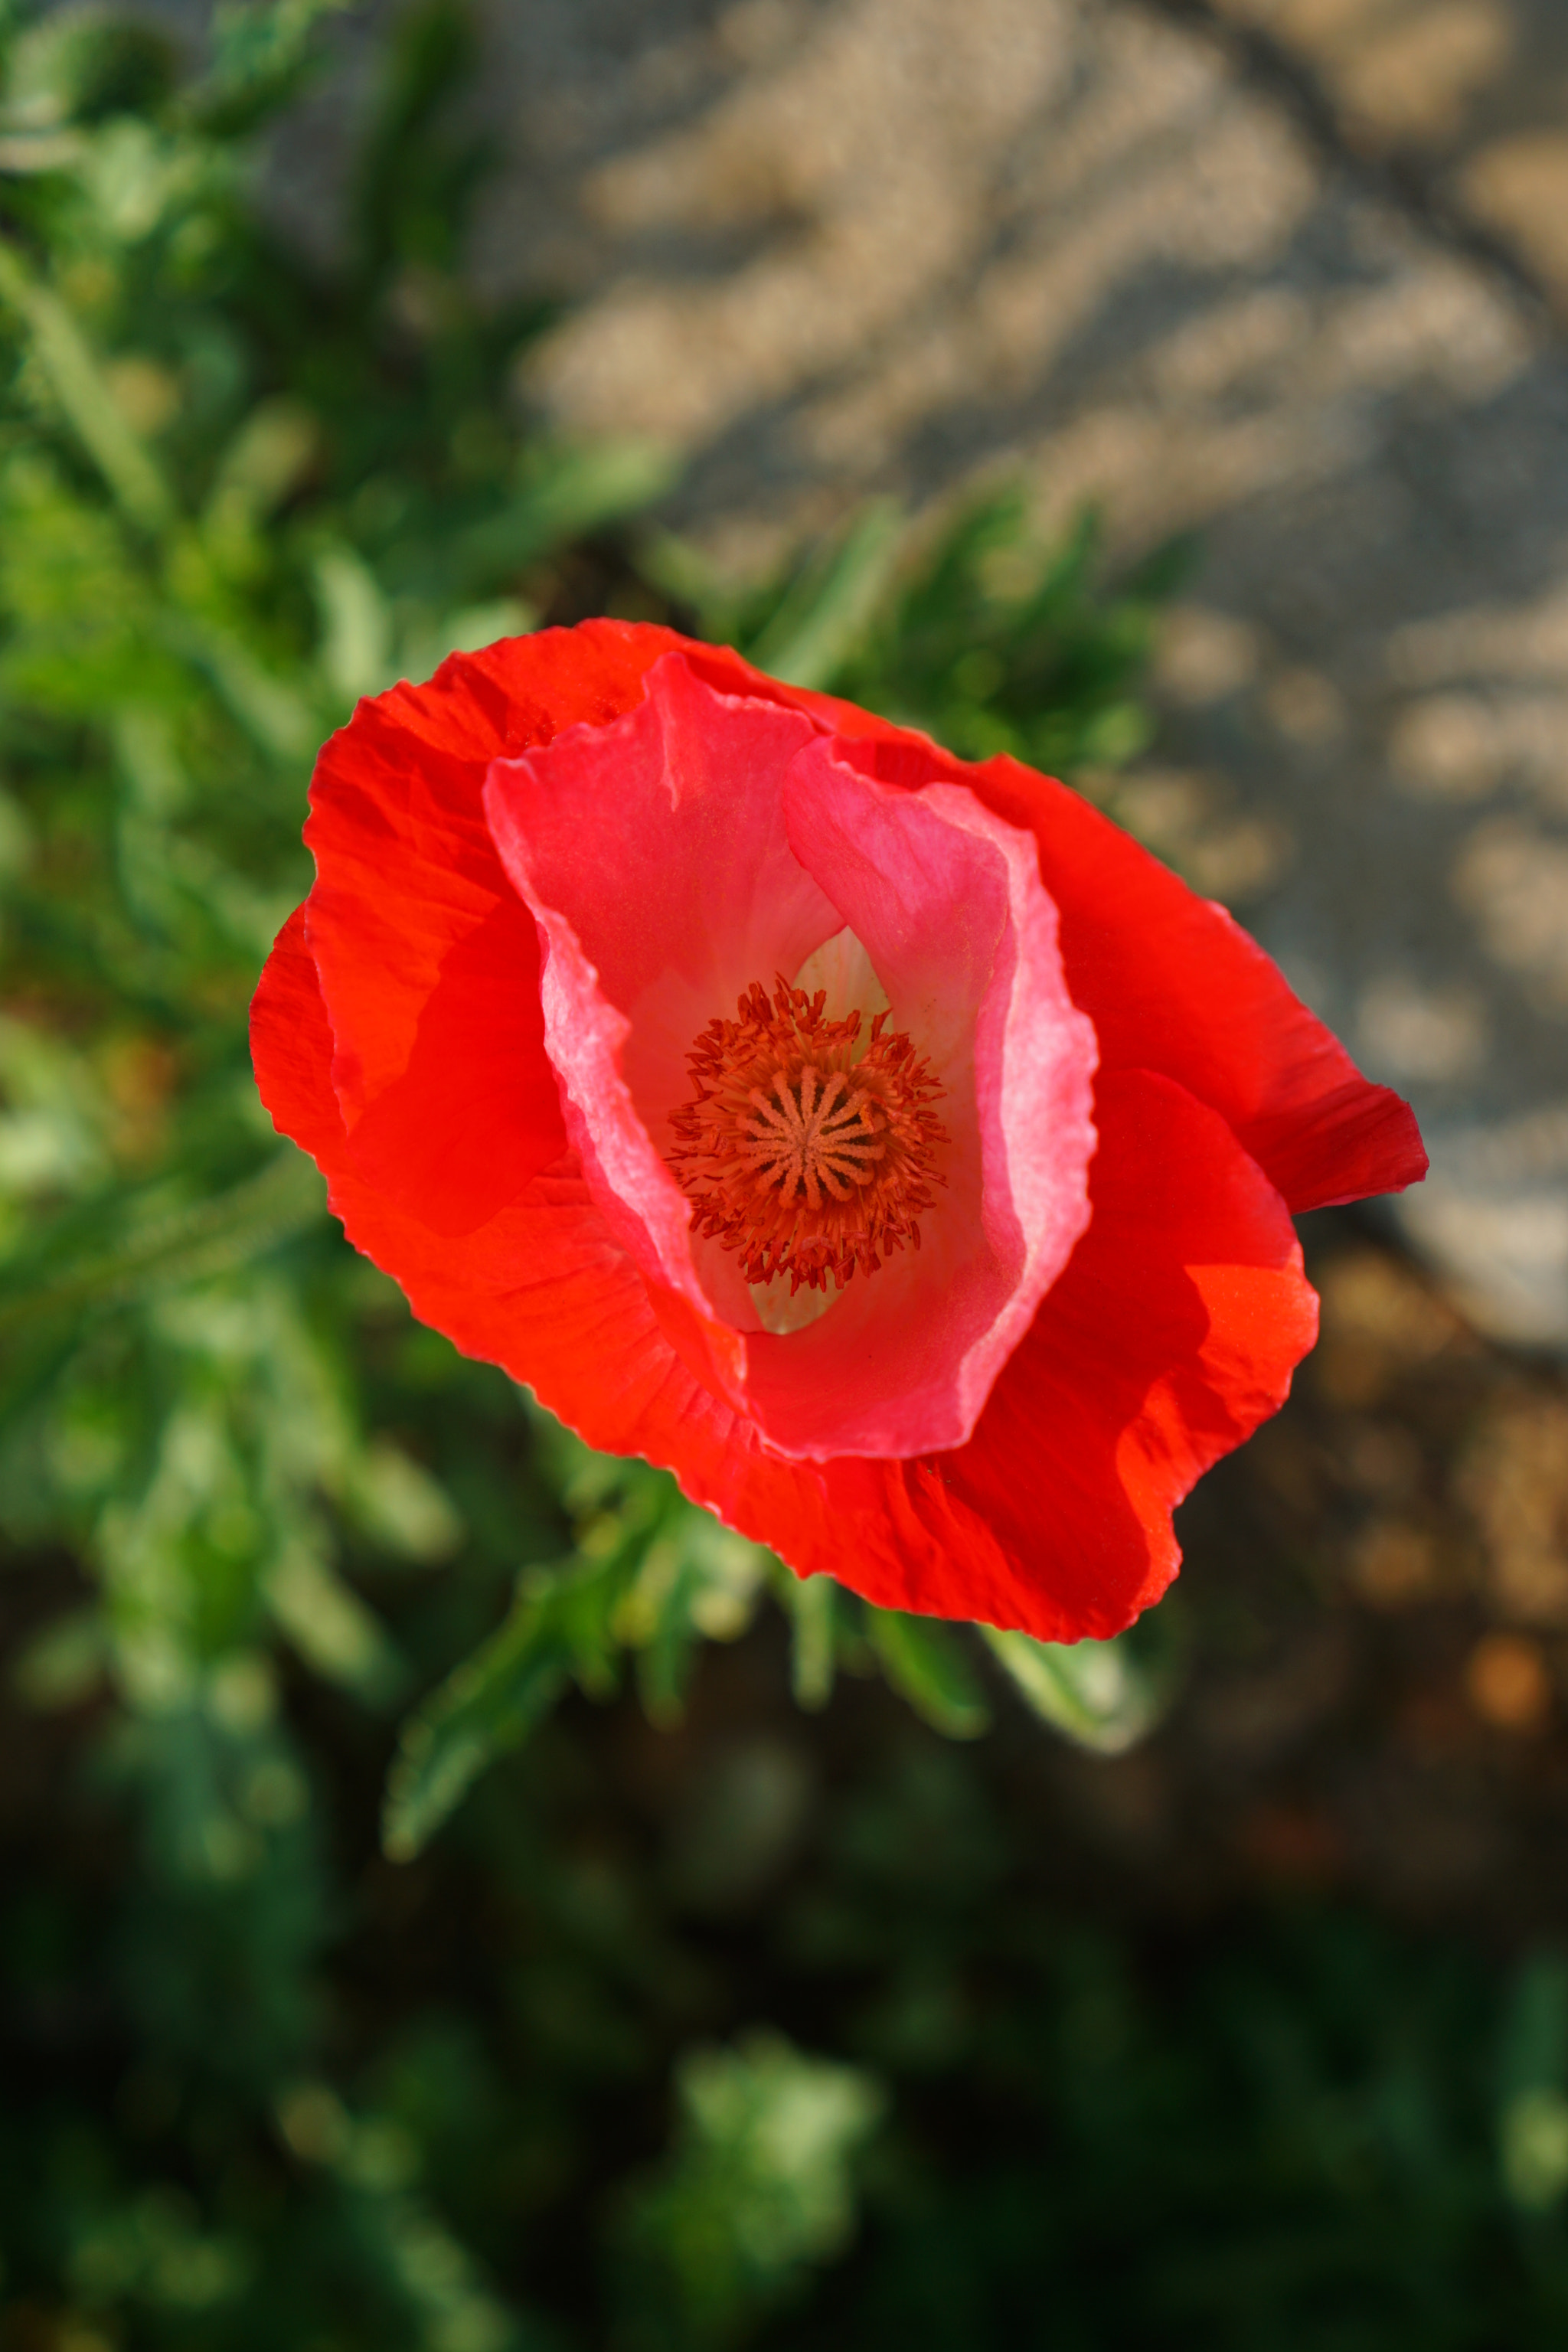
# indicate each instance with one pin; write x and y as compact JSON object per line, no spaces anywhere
{"x":1244,"y":2034}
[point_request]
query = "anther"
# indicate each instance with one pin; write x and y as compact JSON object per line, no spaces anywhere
{"x":802,"y":1150}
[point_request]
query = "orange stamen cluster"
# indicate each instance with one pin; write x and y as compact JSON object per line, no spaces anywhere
{"x":802,"y":1149}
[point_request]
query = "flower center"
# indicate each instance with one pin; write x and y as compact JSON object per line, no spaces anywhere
{"x":802,"y":1148}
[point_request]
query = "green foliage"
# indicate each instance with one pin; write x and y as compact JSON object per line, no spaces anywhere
{"x":972,"y":627}
{"x":925,"y":1664}
{"x":236,"y":2118}
{"x":648,"y":1572}
{"x":756,"y":2185}
{"x":1106,"y":1695}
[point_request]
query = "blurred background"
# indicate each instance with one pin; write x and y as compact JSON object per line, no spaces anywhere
{"x":453,"y":1895}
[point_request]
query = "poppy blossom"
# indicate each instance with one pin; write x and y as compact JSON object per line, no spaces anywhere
{"x":885,"y":1144}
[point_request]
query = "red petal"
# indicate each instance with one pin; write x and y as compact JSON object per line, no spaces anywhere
{"x":1173,"y":983}
{"x":1172,"y":1334}
{"x":291,"y":1046}
{"x":429,"y":1103}
{"x":542,"y":1290}
{"x":428,"y":964}
{"x":489,"y":1291}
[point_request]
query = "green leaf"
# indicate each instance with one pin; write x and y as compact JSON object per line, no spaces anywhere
{"x":333,"y":1629}
{"x":760,"y":2181}
{"x":1532,"y":2071}
{"x":488,"y":1704}
{"x":653,"y":1573}
{"x":266,"y":458}
{"x":83,"y":65}
{"x":356,"y":623}
{"x":397,"y":1504}
{"x":276,"y":719}
{"x":923,"y":1661}
{"x":260,"y":48}
{"x":824,"y":614}
{"x":1102,"y":1694}
{"x":567,"y":493}
{"x":64,"y":1663}
{"x":696,"y":1580}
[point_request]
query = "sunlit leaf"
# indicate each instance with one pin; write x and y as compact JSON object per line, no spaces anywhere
{"x":1102,"y":1694}
{"x":331,"y":1626}
{"x":356,"y":623}
{"x":821,"y":621}
{"x":396,"y":1503}
{"x":811,"y":1603}
{"x":566,"y":492}
{"x":759,"y":2182}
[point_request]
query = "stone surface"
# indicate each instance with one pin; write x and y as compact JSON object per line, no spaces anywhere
{"x":1470,"y":97}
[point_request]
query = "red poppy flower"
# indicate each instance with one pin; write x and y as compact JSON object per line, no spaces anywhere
{"x":886,"y":1145}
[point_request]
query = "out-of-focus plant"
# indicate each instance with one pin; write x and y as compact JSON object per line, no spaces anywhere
{"x":972,"y":626}
{"x":649,"y":1577}
{"x":236,"y":492}
{"x":755,"y":2188}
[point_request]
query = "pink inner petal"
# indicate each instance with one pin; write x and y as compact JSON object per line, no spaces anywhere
{"x":655,"y":857}
{"x":947,"y":901}
{"x":706,"y":841}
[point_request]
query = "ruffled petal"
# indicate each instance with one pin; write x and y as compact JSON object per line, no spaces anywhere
{"x":947,"y":903}
{"x":1172,"y":1334}
{"x":398,"y":1037}
{"x":291,"y":1049}
{"x":428,"y":962}
{"x":542,"y":1285}
{"x":1173,"y":983}
{"x":653,"y":856}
